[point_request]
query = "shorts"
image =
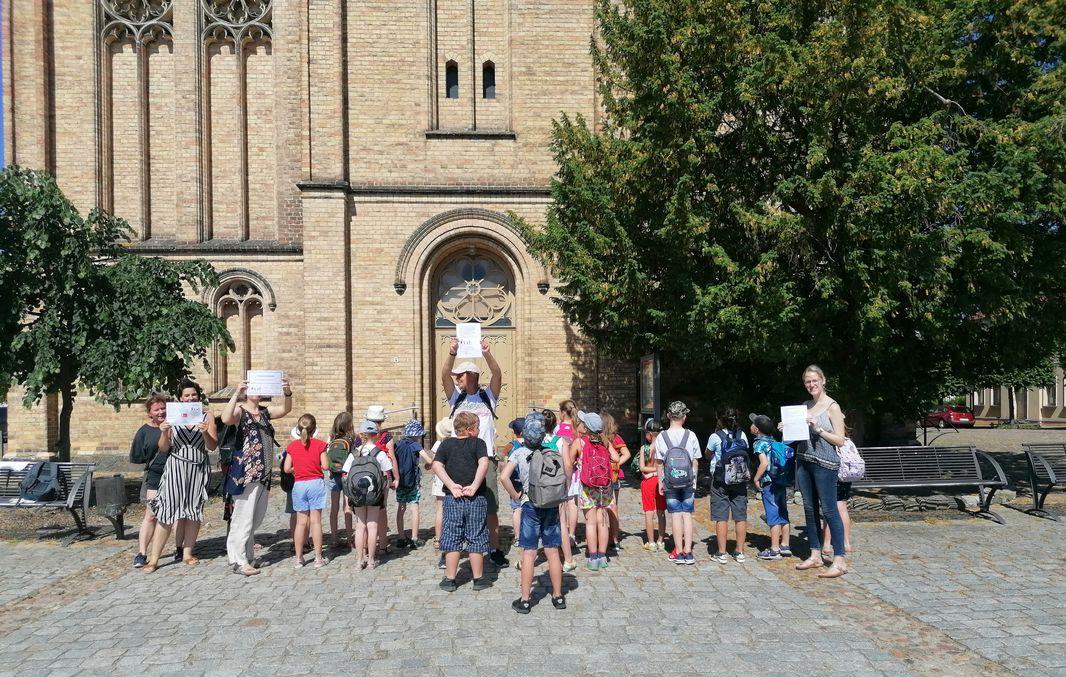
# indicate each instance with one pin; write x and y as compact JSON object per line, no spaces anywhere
{"x":308,"y":495}
{"x":412,"y":495}
{"x":775,"y":503}
{"x":438,"y":487}
{"x":680,"y":500}
{"x":515,"y":505}
{"x":539,"y":526}
{"x":147,"y":492}
{"x":491,"y":487}
{"x":595,"y":497}
{"x":650,"y":498}
{"x":843,"y":491}
{"x":463,"y":525}
{"x":728,"y":500}
{"x":336,"y":481}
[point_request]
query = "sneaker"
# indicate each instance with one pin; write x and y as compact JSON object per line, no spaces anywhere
{"x":785,"y":551}
{"x":739,"y":557}
{"x":569,"y":566}
{"x":603,"y":561}
{"x":559,"y":602}
{"x":689,"y":559}
{"x":448,"y":585}
{"x":139,"y":560}
{"x":297,"y":563}
{"x":592,"y":564}
{"x":497,"y":558}
{"x":522,"y":606}
{"x":661,"y":546}
{"x":319,"y":563}
{"x":482,"y":583}
{"x":769,"y":554}
{"x":672,"y":556}
{"x":441,"y":564}
{"x":177,"y":556}
{"x":650,"y":547}
{"x":721,"y":558}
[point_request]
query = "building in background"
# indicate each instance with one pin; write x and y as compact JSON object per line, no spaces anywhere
{"x":1038,"y":405}
{"x":348,"y":168}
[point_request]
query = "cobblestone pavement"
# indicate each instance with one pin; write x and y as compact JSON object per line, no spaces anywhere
{"x":25,"y":568}
{"x":923,"y":597}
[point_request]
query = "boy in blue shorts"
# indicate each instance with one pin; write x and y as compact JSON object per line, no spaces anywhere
{"x":773,"y":479}
{"x":539,"y":525}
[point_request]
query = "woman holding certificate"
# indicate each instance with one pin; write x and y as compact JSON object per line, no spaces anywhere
{"x":816,"y":472}
{"x":183,"y":487}
{"x":248,"y":478}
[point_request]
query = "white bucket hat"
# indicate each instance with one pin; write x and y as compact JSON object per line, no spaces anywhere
{"x":375,"y":413}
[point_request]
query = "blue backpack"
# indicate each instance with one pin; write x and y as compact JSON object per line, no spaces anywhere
{"x":782,"y":464}
{"x":407,"y":458}
{"x":733,"y":467}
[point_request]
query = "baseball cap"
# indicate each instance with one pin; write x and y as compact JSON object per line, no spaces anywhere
{"x":533,"y":429}
{"x":677,"y":409}
{"x":517,"y":425}
{"x":368,"y":426}
{"x":464,"y":367}
{"x":764,"y":423}
{"x":591,"y":420}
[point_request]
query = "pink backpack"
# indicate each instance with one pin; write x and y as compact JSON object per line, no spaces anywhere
{"x":595,"y":464}
{"x":852,"y":467}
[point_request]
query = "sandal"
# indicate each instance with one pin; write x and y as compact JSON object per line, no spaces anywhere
{"x":191,"y":561}
{"x":833,"y":572}
{"x":247,"y":570}
{"x":559,"y":602}
{"x":808,"y":564}
{"x":149,"y":568}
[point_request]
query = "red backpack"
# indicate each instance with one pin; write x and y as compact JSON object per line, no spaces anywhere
{"x":595,"y":464}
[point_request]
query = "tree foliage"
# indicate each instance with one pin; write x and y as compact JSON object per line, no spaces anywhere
{"x":80,"y":312}
{"x":874,"y":186}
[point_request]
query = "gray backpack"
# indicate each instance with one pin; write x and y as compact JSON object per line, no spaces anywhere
{"x":547,"y":478}
{"x":677,"y":464}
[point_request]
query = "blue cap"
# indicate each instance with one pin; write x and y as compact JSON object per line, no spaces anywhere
{"x":591,"y":420}
{"x":517,"y":425}
{"x":368,"y":426}
{"x":413,"y":429}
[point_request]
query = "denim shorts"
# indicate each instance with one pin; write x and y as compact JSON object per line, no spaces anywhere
{"x":336,"y":481}
{"x":775,"y":503}
{"x":515,"y":505}
{"x":309,"y":495}
{"x":539,"y":526}
{"x":680,"y":500}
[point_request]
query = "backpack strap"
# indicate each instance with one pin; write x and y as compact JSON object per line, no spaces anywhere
{"x":684,"y":439}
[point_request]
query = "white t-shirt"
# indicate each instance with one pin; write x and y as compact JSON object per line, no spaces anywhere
{"x":692,"y":445}
{"x":714,"y":445}
{"x":369,"y":449}
{"x":475,"y":405}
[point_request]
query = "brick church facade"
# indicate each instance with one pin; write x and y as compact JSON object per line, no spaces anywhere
{"x":348,"y":168}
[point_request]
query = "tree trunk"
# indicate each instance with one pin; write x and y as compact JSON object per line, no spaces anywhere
{"x":1010,"y":405}
{"x":66,"y":391}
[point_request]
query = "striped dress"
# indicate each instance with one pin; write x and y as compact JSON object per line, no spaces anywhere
{"x":183,"y":487}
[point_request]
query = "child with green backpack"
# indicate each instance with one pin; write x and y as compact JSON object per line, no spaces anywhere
{"x":774,"y":476}
{"x":341,"y":439}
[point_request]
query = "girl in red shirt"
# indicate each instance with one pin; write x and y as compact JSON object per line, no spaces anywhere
{"x":306,"y":460}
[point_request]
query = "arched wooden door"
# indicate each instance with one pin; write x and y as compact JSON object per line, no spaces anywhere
{"x":476,"y":287}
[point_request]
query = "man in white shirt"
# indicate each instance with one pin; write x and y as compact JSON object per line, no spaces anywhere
{"x":464,"y":393}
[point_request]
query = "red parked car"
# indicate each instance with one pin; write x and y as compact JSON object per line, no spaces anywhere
{"x":949,"y":415}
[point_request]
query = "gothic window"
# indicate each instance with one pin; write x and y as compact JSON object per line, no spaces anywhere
{"x":240,"y":303}
{"x":451,"y":80}
{"x":488,"y":80}
{"x":474,"y":289}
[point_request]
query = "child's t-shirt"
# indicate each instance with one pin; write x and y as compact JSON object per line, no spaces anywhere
{"x":762,"y":446}
{"x":520,"y":457}
{"x":306,"y":461}
{"x":668,"y":438}
{"x":565,"y":430}
{"x":460,"y":456}
{"x":372,"y":450}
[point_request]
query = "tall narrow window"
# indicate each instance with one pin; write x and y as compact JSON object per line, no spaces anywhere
{"x":451,"y":80}
{"x":996,"y":397}
{"x":1050,"y":395}
{"x":488,"y":80}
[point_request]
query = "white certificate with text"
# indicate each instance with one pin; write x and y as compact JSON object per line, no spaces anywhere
{"x":185,"y":413}
{"x":469,"y":336}
{"x":265,"y":382}
{"x":794,"y":419}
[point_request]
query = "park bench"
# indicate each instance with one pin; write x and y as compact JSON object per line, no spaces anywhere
{"x":934,"y":468}
{"x":1047,"y":465}
{"x":75,"y":482}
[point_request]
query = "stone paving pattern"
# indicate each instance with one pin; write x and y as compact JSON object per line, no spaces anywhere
{"x":924,"y":597}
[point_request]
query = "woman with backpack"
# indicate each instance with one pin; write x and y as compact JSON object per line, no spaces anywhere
{"x":368,"y":516}
{"x":343,"y":434}
{"x":183,"y":485}
{"x":817,"y":462}
{"x":596,"y":455}
{"x":248,"y":477}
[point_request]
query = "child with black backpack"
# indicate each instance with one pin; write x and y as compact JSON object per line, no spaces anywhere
{"x":774,"y":476}
{"x":365,"y":489}
{"x":730,"y":474}
{"x":544,"y":474}
{"x":409,"y":490}
{"x":677,"y":453}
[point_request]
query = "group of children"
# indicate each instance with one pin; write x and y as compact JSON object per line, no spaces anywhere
{"x":555,"y":466}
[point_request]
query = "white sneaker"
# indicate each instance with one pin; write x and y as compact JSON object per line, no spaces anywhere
{"x":739,"y":557}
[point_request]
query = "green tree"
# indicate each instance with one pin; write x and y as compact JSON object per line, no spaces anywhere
{"x":79,"y":312}
{"x":874,"y":186}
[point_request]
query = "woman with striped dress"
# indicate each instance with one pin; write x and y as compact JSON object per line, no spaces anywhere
{"x":183,"y":487}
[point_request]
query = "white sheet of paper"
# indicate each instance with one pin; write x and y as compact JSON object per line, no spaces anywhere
{"x":185,"y":413}
{"x":795,"y":420}
{"x":264,"y":382}
{"x":469,"y":336}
